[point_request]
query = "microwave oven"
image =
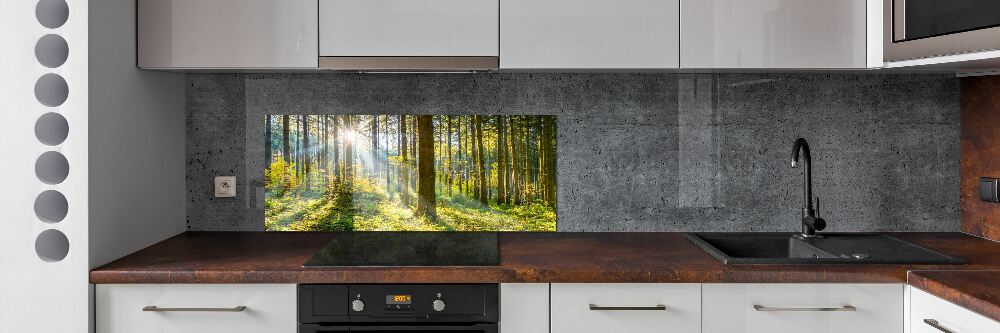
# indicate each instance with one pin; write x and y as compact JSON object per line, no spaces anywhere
{"x":915,"y":29}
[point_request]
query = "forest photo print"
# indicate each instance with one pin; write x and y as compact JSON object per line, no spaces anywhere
{"x":410,"y":173}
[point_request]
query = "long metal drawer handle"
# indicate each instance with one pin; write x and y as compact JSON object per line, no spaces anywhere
{"x":159,"y":309}
{"x":768,"y":308}
{"x":595,"y":307}
{"x":934,"y":323}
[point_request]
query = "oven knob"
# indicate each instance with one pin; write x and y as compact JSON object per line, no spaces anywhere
{"x":438,"y":305}
{"x":358,"y":305}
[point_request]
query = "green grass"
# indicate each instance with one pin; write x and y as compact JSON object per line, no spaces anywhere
{"x":367,"y":206}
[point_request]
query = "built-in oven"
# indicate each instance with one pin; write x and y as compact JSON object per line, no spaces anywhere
{"x":916,"y":29}
{"x":377,"y":308}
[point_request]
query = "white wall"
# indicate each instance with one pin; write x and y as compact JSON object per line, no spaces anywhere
{"x":136,"y":141}
{"x":38,"y":295}
{"x":138,"y":130}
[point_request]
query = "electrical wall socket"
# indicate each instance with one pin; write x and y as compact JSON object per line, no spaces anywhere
{"x":225,"y":186}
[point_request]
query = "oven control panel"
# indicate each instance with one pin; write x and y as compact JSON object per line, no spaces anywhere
{"x":378,"y":303}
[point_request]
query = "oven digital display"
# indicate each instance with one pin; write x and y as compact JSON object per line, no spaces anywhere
{"x":398,"y":299}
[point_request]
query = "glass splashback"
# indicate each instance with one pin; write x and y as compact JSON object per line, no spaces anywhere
{"x":410,"y":173}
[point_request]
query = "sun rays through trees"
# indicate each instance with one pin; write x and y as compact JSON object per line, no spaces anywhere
{"x":410,"y":172}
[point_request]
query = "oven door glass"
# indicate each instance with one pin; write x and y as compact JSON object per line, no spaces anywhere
{"x":930,"y":18}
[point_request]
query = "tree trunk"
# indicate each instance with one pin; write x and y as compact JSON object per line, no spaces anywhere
{"x":298,"y":142}
{"x":501,"y":161}
{"x":387,"y":167}
{"x":461,"y":157}
{"x":481,"y":167}
{"x":527,"y":158}
{"x":326,"y":144}
{"x":413,"y":152}
{"x":474,"y":126}
{"x":349,"y":153}
{"x":451,"y":173}
{"x":285,"y":148}
{"x":375,"y":144}
{"x":336,"y":148}
{"x":404,"y":172}
{"x":425,"y":188}
{"x":267,"y":143}
{"x":550,"y":186}
{"x":305,"y":147}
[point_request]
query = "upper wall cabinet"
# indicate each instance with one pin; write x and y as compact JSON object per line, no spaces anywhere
{"x":589,"y":34}
{"x":779,"y":34}
{"x":192,"y":34}
{"x":360,"y":33}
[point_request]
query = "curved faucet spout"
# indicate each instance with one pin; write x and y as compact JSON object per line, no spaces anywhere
{"x":802,"y":146}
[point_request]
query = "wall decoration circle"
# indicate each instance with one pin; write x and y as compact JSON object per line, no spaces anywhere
{"x":51,"y":51}
{"x":52,"y":13}
{"x":52,"y":245}
{"x":52,"y":167}
{"x":51,"y":90}
{"x":51,"y":206}
{"x":51,"y":128}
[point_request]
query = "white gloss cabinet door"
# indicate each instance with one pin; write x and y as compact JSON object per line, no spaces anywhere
{"x":627,"y":307}
{"x":270,"y":308}
{"x":427,"y":28}
{"x":946,"y":315}
{"x":773,"y":34}
{"x":227,"y":34}
{"x":796,"y":308}
{"x":589,"y":34}
{"x":524,"y":308}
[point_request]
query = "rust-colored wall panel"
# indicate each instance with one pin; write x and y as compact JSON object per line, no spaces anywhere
{"x":980,"y":153}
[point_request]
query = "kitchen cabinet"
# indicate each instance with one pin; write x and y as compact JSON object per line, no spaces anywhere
{"x":410,"y":28}
{"x":221,"y":34}
{"x":524,"y":307}
{"x":802,"y":308}
{"x":589,"y":34}
{"x":930,"y":314}
{"x":780,"y":34}
{"x":186,"y":308}
{"x":626,"y":307}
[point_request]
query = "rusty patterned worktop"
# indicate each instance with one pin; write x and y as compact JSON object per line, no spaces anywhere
{"x":978,"y":291}
{"x":277,"y":257}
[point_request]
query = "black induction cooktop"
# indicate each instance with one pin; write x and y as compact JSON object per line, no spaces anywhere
{"x":408,"y":249}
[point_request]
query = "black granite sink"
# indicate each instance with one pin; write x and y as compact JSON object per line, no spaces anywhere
{"x":833,"y":248}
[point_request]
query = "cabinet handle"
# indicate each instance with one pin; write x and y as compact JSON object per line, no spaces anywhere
{"x":934,"y":323}
{"x":595,"y":307}
{"x":159,"y":309}
{"x":768,"y":308}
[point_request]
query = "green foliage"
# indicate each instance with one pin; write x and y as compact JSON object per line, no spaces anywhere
{"x":368,"y":207}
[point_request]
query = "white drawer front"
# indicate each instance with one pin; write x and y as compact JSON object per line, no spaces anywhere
{"x":948,"y":316}
{"x":730,"y":308}
{"x":524,"y":307}
{"x":361,"y":28}
{"x":270,"y":308}
{"x":571,"y":312}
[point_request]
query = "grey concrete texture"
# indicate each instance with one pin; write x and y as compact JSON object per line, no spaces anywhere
{"x":637,"y":152}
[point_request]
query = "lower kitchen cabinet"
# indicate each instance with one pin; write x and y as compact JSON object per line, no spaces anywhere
{"x":803,"y":308}
{"x":930,"y":314}
{"x":186,"y":308}
{"x":627,"y":307}
{"x":524,"y":307}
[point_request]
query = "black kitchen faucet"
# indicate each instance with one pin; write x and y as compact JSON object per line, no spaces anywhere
{"x":810,"y":221}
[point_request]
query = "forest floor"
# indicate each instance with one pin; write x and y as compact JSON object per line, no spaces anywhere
{"x":368,"y":206}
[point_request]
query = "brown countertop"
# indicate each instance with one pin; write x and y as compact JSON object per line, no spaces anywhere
{"x":277,"y":257}
{"x":978,"y":291}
